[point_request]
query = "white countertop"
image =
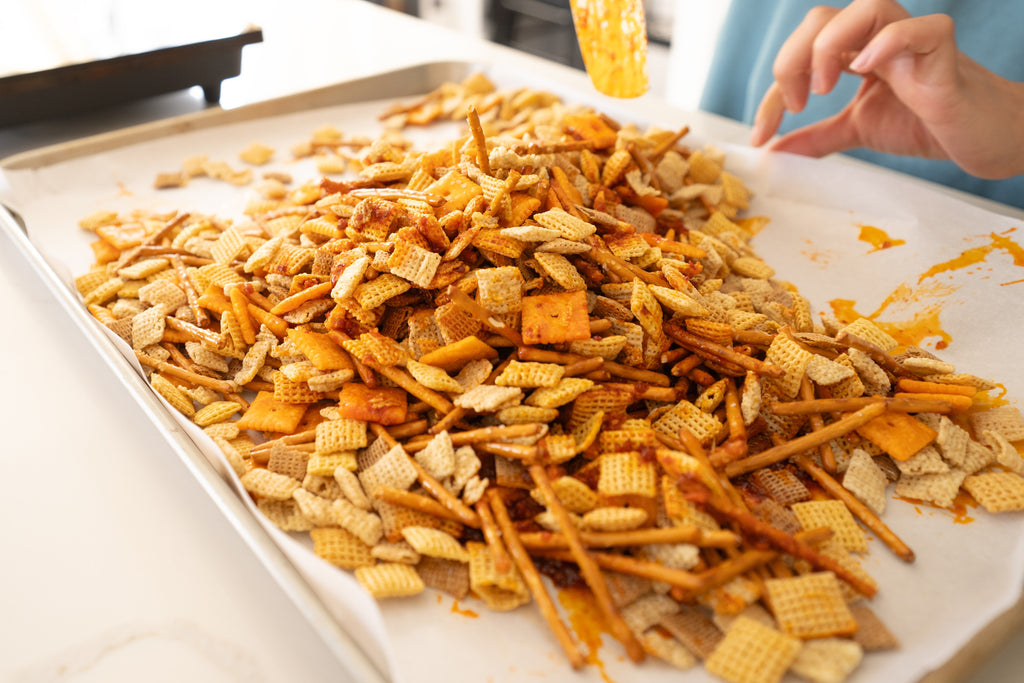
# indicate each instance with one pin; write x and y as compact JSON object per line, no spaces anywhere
{"x":117,"y":565}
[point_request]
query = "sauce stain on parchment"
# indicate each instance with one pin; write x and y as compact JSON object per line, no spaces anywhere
{"x":877,"y":238}
{"x":587,"y":622}
{"x":926,"y":298}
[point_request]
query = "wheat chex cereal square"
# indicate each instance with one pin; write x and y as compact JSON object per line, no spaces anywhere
{"x":751,"y":652}
{"x":938,"y":488}
{"x":864,"y":479}
{"x":447,"y":576}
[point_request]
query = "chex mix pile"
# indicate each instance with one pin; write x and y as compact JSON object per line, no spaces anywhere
{"x":547,"y":347}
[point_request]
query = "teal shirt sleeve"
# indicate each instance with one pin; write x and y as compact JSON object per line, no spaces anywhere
{"x":989,"y":31}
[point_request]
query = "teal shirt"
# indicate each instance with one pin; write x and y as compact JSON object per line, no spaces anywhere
{"x":989,"y":31}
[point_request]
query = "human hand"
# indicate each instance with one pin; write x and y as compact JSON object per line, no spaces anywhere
{"x":920,"y":96}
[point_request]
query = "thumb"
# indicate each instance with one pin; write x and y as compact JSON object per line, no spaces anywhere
{"x":819,"y":139}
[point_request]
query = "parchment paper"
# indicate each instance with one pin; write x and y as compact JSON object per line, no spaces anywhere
{"x":965,"y":574}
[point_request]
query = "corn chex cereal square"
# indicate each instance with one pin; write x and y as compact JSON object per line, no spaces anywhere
{"x":501,"y":592}
{"x":828,"y":660}
{"x":624,"y":474}
{"x":836,"y":516}
{"x":997,"y":491}
{"x":342,"y":434}
{"x":340,"y":548}
{"x":751,"y":652}
{"x":414,"y":263}
{"x":530,"y":375}
{"x":1004,"y":420}
{"x":434,"y":543}
{"x":810,"y":606}
{"x":500,"y":290}
{"x":684,"y":414}
{"x":389,"y":580}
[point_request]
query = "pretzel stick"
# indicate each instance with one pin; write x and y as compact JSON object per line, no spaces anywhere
{"x":735,"y":447}
{"x":482,"y":315}
{"x":202,"y":319}
{"x":532,"y":579}
{"x":728,"y":570}
{"x":686,"y":533}
{"x":876,"y":353}
{"x":510,"y":450}
{"x":626,"y":564}
{"x":724,"y":353}
{"x":407,"y":429}
{"x":462,"y":511}
{"x":394,"y":193}
{"x":583,"y":367}
{"x":299,"y":437}
{"x":686,"y":365}
{"x":195,"y":333}
{"x":636,"y":374}
{"x":859,"y":509}
{"x":828,"y":458}
{"x":181,"y":373}
{"x":806,"y":442}
{"x":903,"y":404}
{"x":480,"y":139}
{"x":483,"y":434}
{"x":456,"y":415}
{"x":668,"y":143}
{"x":780,"y":539}
{"x":589,"y":568}
{"x":152,"y":240}
{"x":503,"y":194}
{"x":492,"y":534}
{"x":415,"y":501}
{"x":406,"y":381}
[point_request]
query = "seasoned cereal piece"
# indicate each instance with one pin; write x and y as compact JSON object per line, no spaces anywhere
{"x":751,"y":652}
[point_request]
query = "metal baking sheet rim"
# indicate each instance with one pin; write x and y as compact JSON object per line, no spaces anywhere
{"x":404,"y":82}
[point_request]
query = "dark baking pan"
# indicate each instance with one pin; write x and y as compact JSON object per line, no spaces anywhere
{"x":87,"y":86}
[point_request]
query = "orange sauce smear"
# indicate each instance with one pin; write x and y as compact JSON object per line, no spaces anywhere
{"x":924,"y":324}
{"x":877,"y":238}
{"x":456,"y":609}
{"x":960,"y":512}
{"x":587,"y":623}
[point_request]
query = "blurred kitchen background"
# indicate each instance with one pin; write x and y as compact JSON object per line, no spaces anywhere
{"x":41,"y":34}
{"x":681,"y":34}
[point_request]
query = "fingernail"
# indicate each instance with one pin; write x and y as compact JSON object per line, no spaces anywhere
{"x":860,"y":61}
{"x":818,"y":83}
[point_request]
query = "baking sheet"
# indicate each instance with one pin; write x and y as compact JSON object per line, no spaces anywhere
{"x":965,"y":575}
